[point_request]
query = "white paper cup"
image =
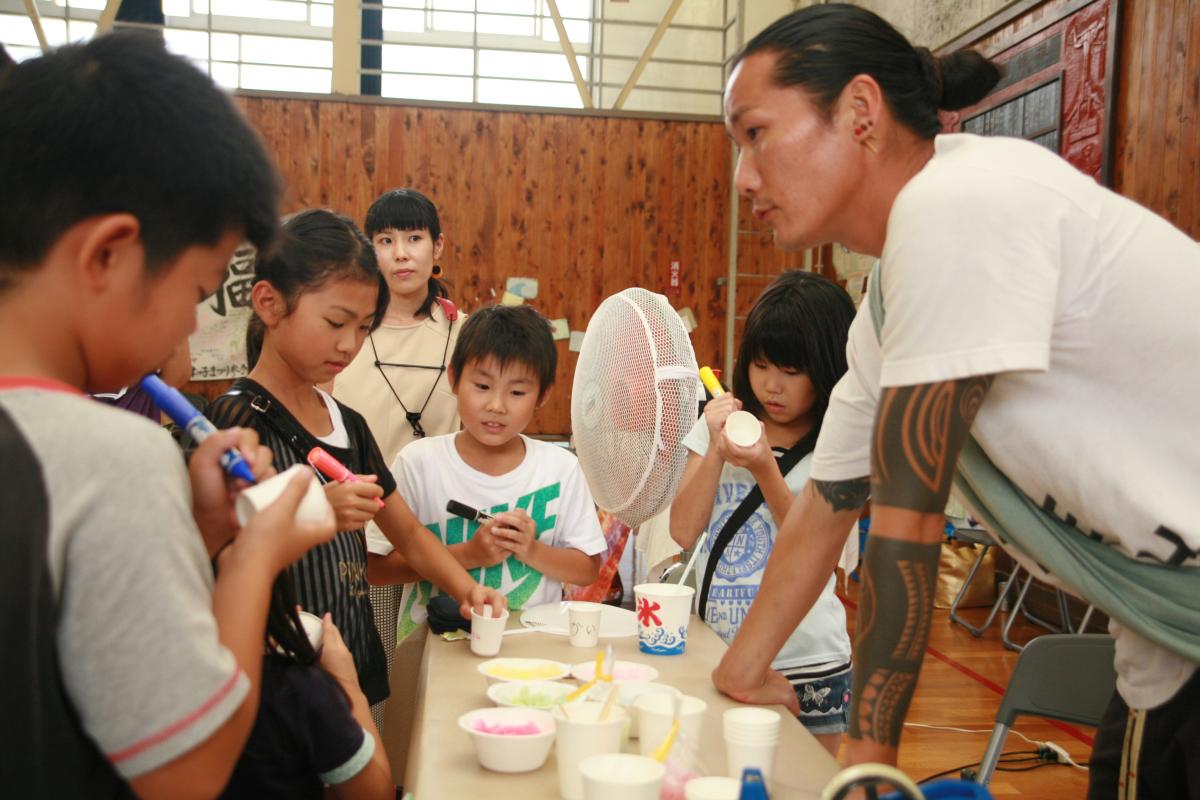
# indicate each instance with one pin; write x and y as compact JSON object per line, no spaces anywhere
{"x":487,"y":632}
{"x":314,"y":628}
{"x":751,"y":738}
{"x":655,"y":714}
{"x":578,"y":734}
{"x":750,"y":755}
{"x":628,"y":696}
{"x":742,"y":428}
{"x":584,"y":623}
{"x":313,"y":508}
{"x":713,"y":787}
{"x":663,"y":612}
{"x":621,"y":776}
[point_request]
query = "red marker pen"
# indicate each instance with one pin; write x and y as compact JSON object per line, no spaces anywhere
{"x":335,"y":470}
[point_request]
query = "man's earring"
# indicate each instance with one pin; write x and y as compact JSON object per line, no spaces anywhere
{"x":436,"y":270}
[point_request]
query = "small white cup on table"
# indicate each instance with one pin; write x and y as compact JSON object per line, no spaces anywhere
{"x":487,"y":631}
{"x":583,"y":623}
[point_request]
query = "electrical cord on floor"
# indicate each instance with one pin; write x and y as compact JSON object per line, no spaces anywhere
{"x":1046,"y":755}
{"x":1004,"y":758}
{"x":1062,"y":755}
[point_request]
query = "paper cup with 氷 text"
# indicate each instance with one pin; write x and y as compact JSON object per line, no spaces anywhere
{"x":663,"y":613}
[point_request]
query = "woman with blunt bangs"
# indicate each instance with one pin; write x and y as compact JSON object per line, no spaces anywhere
{"x":1013,"y":293}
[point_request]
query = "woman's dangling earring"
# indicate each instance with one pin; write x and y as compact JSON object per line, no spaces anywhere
{"x":436,"y":270}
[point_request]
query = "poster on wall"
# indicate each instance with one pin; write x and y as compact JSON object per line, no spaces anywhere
{"x":219,"y":343}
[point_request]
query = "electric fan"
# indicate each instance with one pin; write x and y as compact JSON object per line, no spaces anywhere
{"x":635,"y":396}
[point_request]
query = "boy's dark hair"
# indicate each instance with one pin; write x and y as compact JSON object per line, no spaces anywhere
{"x":121,"y":125}
{"x":408,"y":210}
{"x":5,"y":60}
{"x":799,"y":322}
{"x":314,"y":247}
{"x":509,"y":334}
{"x":821,"y":48}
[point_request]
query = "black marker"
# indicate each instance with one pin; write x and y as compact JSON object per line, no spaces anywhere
{"x":463,"y":510}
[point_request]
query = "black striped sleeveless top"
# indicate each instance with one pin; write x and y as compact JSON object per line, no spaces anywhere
{"x":331,"y":577}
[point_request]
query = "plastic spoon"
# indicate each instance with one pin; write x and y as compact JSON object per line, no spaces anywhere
{"x":596,"y":676}
{"x":608,"y":703}
{"x":660,"y":754}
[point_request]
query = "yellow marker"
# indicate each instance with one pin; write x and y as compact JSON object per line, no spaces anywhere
{"x":710,"y":382}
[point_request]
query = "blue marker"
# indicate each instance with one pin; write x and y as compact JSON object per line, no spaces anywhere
{"x":186,"y":416}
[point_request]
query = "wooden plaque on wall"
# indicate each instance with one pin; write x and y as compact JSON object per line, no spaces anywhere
{"x":1060,"y":60}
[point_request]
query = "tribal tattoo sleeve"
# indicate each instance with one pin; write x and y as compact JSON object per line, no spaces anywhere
{"x":919,"y":432}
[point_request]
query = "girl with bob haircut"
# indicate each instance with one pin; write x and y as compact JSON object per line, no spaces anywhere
{"x":792,"y":354}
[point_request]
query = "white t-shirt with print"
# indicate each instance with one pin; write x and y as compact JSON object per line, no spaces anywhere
{"x":821,"y":637}
{"x":548,"y":484}
{"x":1003,"y":259}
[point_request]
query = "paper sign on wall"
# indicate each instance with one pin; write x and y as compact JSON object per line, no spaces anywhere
{"x":510,"y":299}
{"x":560,"y":329}
{"x":689,"y":319}
{"x":523,"y":287}
{"x":576,"y":341}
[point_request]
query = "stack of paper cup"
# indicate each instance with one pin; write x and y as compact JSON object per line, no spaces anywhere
{"x":621,"y":776}
{"x":584,"y":623}
{"x":751,"y":736}
{"x":656,"y":714}
{"x":578,"y":733}
{"x":487,"y":631}
{"x":663,"y":612}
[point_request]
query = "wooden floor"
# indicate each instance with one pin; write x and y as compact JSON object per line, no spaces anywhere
{"x":960,"y":686}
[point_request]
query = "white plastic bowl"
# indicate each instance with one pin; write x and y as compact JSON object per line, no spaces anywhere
{"x":498,"y":670}
{"x":529,"y":694}
{"x":510,"y":752}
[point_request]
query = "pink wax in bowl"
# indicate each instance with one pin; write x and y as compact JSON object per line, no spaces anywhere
{"x":622,"y":671}
{"x":510,"y":739}
{"x":500,"y":729}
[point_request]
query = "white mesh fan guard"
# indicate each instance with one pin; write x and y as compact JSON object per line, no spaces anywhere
{"x":634,"y":398}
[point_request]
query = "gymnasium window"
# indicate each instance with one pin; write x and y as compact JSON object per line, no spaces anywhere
{"x":476,"y":51}
{"x":272,"y":45}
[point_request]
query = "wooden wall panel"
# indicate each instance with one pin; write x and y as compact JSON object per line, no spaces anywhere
{"x":1157,"y":142}
{"x":587,"y":205}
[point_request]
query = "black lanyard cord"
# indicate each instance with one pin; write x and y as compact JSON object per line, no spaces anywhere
{"x":413,"y":417}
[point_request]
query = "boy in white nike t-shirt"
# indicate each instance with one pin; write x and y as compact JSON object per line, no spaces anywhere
{"x":545,"y":529}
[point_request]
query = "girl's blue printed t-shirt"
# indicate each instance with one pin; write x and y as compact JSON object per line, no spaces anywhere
{"x":821,"y":636}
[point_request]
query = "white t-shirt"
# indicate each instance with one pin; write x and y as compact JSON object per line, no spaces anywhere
{"x":548,"y":484}
{"x":1003,"y":259}
{"x":821,"y":637}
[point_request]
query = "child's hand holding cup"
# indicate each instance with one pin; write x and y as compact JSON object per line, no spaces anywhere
{"x":487,"y":630}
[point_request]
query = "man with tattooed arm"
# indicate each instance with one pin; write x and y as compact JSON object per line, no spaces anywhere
{"x":1022,"y":317}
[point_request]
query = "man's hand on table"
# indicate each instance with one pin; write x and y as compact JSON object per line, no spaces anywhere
{"x":769,"y":689}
